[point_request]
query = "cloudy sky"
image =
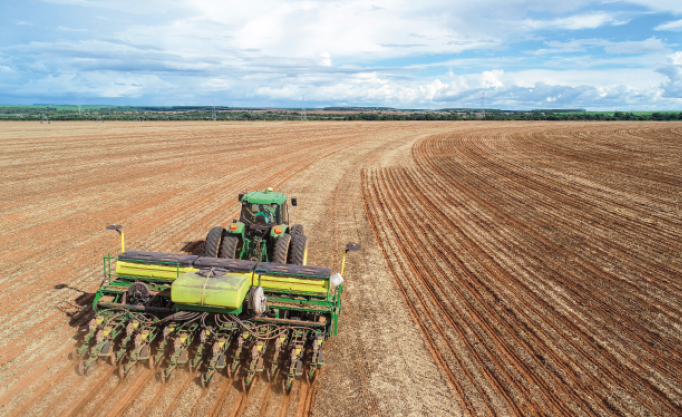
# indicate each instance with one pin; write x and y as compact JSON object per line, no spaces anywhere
{"x":520,"y":54}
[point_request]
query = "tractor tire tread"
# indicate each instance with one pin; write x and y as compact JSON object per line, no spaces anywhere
{"x":296,"y":229}
{"x":228,"y":249}
{"x":299,"y":244}
{"x":213,"y":239}
{"x":281,"y":250}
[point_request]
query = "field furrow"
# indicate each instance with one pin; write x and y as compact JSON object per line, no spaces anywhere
{"x":537,"y":253}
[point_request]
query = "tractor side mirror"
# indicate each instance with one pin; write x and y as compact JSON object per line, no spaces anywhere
{"x":294,"y":202}
{"x":240,"y":197}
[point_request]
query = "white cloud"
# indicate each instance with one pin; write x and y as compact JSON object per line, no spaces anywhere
{"x":511,"y":90}
{"x":326,"y":59}
{"x":95,"y":55}
{"x":491,"y":79}
{"x":647,"y":46}
{"x":340,"y":28}
{"x":583,"y":21}
{"x":100,"y":84}
{"x":381,"y":29}
{"x":675,"y":25}
{"x":470,"y":62}
{"x":5,"y":68}
{"x":348,"y":28}
{"x":576,"y":45}
{"x":676,"y":58}
{"x":672,"y":6}
{"x":465,"y":93}
{"x":672,"y":87}
{"x":640,"y":79}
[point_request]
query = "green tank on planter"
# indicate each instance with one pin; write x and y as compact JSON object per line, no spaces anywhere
{"x":235,"y":317}
{"x":211,"y":288}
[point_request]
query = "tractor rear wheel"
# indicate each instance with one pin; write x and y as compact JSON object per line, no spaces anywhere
{"x":279,"y":254}
{"x":213,"y":238}
{"x":296,"y":229}
{"x":228,"y":249}
{"x":299,"y":250}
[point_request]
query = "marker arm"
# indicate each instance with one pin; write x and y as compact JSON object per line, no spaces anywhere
{"x":343,"y":261}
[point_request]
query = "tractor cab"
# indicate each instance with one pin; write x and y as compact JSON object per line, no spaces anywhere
{"x":264,"y":208}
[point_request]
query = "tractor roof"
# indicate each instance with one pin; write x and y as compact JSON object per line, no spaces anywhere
{"x":264,"y":197}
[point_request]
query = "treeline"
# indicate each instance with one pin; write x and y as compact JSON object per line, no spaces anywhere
{"x":121,"y":114}
{"x":223,"y":114}
{"x":655,"y":116}
{"x":408,"y":116}
{"x":361,"y":109}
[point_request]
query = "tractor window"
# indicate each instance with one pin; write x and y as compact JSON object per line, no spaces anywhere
{"x":285,"y":214}
{"x":260,"y":214}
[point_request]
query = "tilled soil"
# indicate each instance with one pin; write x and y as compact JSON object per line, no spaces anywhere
{"x":507,"y":268}
{"x":544,"y":263}
{"x":168,"y":184}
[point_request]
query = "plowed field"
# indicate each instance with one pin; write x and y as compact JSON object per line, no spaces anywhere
{"x":507,"y":268}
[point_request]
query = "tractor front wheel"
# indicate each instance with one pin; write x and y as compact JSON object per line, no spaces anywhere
{"x":279,"y":254}
{"x":228,"y":249}
{"x":213,"y":239}
{"x":299,"y":250}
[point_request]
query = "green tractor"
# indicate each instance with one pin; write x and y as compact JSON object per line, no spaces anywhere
{"x":262,"y":233}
